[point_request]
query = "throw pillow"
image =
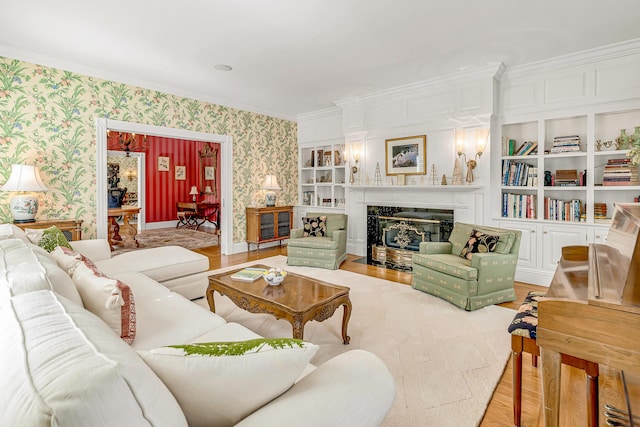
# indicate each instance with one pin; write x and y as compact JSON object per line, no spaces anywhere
{"x":109,"y":299}
{"x":239,"y":377}
{"x":314,"y":226}
{"x":67,"y":259}
{"x":479,"y":242}
{"x":48,"y":238}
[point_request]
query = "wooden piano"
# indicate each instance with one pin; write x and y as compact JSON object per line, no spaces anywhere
{"x":593,"y":310}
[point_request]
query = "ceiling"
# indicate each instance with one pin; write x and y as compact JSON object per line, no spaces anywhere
{"x":297,"y":56}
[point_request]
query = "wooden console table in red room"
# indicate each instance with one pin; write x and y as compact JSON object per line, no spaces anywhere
{"x":122,"y":234}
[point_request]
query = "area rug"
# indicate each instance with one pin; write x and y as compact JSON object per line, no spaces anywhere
{"x":190,"y":239}
{"x":446,"y":362}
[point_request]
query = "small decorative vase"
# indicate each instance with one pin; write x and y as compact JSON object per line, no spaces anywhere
{"x":623,"y":140}
{"x":635,"y":138}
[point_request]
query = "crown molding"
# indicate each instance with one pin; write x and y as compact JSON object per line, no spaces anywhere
{"x":320,"y":114}
{"x":52,"y":62}
{"x":584,"y":57}
{"x":494,"y":71}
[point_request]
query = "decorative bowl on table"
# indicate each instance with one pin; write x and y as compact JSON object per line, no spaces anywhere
{"x":274,"y":276}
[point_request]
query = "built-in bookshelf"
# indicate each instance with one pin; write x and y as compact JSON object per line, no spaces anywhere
{"x":575,"y":171}
{"x":323,"y":175}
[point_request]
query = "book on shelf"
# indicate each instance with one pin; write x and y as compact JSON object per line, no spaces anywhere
{"x":565,"y":144}
{"x":249,"y":274}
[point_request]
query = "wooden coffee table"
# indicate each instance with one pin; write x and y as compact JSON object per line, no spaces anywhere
{"x":297,"y":299}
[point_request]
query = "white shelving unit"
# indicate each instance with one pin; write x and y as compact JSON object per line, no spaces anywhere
{"x":323,"y":175}
{"x":544,"y":237}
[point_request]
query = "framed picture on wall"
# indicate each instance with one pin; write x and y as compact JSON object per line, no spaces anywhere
{"x":163,"y":164}
{"x":209,"y":173}
{"x":181,"y":173}
{"x":406,"y":156}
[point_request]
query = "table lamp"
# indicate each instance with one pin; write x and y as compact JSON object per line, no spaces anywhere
{"x":270,"y":184}
{"x":24,"y":178}
{"x":194,"y":193}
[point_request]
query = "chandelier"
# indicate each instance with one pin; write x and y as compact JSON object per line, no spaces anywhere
{"x":129,"y":142}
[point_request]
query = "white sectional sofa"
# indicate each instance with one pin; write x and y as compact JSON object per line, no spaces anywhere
{"x":64,"y":365}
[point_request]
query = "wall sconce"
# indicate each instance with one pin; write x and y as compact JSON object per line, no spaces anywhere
{"x":355,"y":152}
{"x":130,"y":175}
{"x":480,"y":138}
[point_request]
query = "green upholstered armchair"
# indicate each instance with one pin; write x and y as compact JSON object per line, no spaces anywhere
{"x":325,"y":252}
{"x":485,"y":279}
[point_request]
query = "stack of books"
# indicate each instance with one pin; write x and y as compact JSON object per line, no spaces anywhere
{"x":620,"y":172}
{"x":599,"y":211}
{"x":566,"y":144}
{"x":567,"y":178}
{"x":249,"y":274}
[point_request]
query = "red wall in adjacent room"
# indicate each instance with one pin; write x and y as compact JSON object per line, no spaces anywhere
{"x":163,"y":191}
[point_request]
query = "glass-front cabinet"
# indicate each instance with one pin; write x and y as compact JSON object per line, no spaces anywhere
{"x":323,"y":175}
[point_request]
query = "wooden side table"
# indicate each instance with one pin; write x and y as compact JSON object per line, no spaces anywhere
{"x":71,"y":228}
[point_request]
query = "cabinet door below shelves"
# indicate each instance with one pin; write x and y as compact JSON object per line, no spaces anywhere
{"x":555,"y":237}
{"x":528,"y":242}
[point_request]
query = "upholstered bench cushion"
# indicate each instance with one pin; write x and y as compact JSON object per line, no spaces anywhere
{"x":161,"y":264}
{"x":525,"y":323}
{"x":449,"y":264}
{"x":314,"y":243}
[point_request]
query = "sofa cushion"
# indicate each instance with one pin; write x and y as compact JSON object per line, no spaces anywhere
{"x":163,"y":263}
{"x":314,"y":226}
{"x":239,"y":377}
{"x":109,"y":299}
{"x":63,"y":366}
{"x":479,"y":242}
{"x":25,"y":267}
{"x":47,"y":238}
{"x":450,"y":264}
{"x":314,"y":243}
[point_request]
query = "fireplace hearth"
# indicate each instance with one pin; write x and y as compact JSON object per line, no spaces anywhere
{"x":395,"y":233}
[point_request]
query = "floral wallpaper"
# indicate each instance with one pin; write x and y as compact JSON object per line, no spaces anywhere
{"x":47,"y":119}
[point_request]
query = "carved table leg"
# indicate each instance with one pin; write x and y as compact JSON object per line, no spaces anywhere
{"x":551,"y":361}
{"x":298,"y":327}
{"x":212,"y":305}
{"x":345,"y":321}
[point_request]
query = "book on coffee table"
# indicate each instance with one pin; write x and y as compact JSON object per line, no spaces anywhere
{"x":249,"y":274}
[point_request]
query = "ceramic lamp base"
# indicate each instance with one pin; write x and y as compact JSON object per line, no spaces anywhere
{"x":270,"y":198}
{"x":24,"y":208}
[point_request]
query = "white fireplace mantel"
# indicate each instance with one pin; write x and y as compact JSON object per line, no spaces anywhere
{"x":466,"y":201}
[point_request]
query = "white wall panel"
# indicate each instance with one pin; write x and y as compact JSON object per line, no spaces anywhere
{"x":518,"y":96}
{"x":620,"y":76}
{"x":384,"y":114}
{"x":565,"y":87}
{"x":419,"y":108}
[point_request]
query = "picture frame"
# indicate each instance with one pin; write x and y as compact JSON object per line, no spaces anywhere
{"x":406,"y":156}
{"x":163,"y":164}
{"x":181,"y":173}
{"x":327,"y":158}
{"x":209,"y":173}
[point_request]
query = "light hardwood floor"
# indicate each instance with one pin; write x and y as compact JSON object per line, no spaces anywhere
{"x":499,"y":411}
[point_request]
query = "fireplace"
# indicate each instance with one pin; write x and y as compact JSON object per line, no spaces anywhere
{"x":395,"y":233}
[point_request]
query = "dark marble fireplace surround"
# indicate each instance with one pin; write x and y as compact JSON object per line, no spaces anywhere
{"x":380,"y":217}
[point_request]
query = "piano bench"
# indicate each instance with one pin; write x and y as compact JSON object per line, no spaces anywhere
{"x":523,"y":339}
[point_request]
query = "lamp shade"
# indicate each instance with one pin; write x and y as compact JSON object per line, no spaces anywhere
{"x":270,"y":183}
{"x":24,"y":178}
{"x":194,"y":191}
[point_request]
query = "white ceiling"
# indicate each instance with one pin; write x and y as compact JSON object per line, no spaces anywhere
{"x":296,"y":56}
